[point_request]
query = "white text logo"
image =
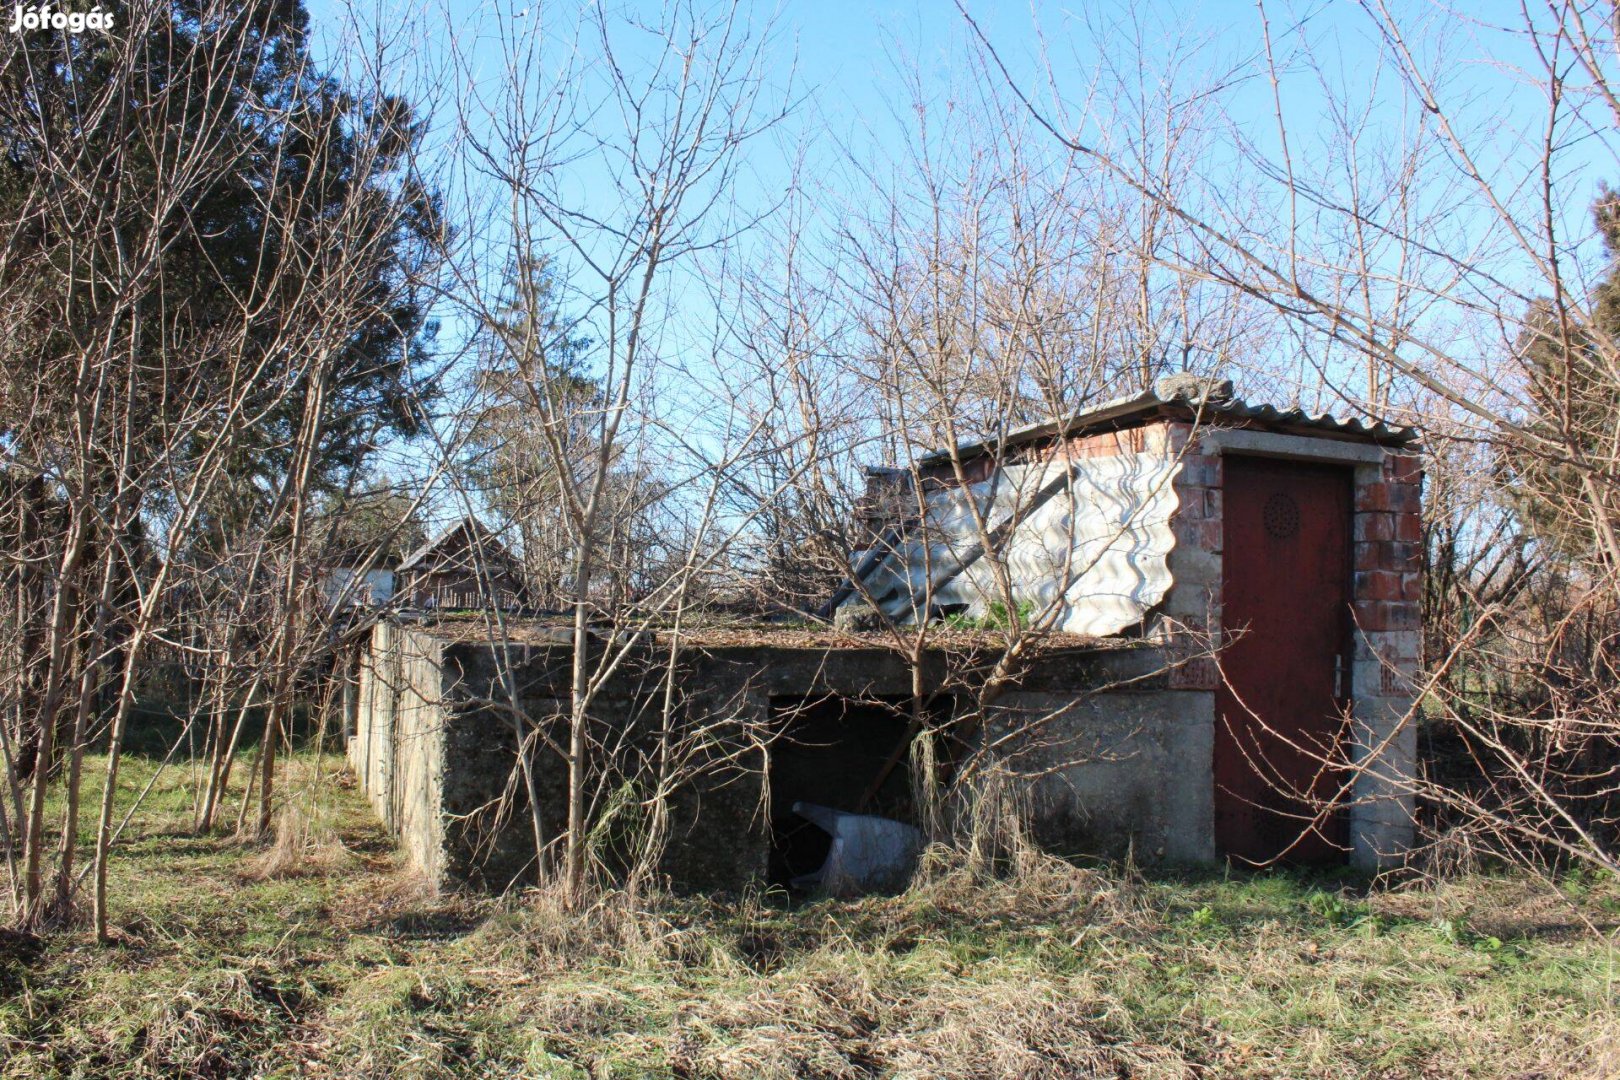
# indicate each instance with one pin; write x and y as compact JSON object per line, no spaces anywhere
{"x":41,"y":17}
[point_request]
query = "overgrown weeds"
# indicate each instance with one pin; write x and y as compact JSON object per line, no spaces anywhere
{"x":242,"y":961}
{"x":307,"y":842}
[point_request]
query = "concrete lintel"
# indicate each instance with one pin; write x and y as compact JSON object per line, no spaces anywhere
{"x":1294,"y":447}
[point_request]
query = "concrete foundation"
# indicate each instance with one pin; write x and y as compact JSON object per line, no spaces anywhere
{"x":1097,"y":735}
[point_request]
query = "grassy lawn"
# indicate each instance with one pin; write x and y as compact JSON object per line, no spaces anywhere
{"x":321,"y":956}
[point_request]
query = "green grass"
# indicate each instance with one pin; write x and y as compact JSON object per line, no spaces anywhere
{"x":321,"y":956}
{"x":996,"y":617}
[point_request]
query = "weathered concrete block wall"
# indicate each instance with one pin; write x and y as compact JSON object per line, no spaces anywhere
{"x":371,"y":745}
{"x":436,"y":753}
{"x":1114,"y":759}
{"x":1115,"y":770}
{"x":1193,"y":605}
{"x":716,"y":835}
{"x":398,"y":748}
{"x":1104,"y":744}
{"x":1388,"y":594}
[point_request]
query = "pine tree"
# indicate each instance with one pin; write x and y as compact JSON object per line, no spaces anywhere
{"x":1574,"y":399}
{"x":276,"y":153}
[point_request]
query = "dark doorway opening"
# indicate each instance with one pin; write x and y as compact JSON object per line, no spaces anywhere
{"x":1280,"y":713}
{"x":832,"y":751}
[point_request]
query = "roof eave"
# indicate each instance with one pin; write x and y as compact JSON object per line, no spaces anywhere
{"x":1147,"y":404}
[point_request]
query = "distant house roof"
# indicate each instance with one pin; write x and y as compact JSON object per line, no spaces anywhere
{"x":1136,"y":408}
{"x":474,"y":533}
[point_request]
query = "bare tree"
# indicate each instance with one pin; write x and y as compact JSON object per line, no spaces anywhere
{"x":210,"y":244}
{"x":585,"y":345}
{"x":1441,"y":260}
{"x":995,"y":284}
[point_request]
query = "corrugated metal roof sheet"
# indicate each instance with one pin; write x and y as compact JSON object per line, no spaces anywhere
{"x":1377,"y":431}
{"x":1085,"y":545}
{"x":1134,"y":407}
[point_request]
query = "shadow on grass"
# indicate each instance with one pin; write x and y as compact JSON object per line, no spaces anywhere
{"x":156,"y":727}
{"x":428,"y":924}
{"x":18,"y":952}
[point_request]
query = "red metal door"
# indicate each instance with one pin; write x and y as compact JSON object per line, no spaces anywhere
{"x":1285,"y":612}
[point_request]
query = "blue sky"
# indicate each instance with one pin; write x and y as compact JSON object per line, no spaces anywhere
{"x":849,"y":60}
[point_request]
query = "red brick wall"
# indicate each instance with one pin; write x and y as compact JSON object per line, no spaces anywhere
{"x":1388,"y":550}
{"x":1388,"y":563}
{"x":1195,"y":564}
{"x":1387,"y":559}
{"x":1097,"y":444}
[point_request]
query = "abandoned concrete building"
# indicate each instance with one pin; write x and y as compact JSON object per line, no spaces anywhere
{"x":1232,"y":596}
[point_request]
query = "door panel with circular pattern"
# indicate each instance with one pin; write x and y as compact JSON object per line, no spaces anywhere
{"x":1285,"y":618}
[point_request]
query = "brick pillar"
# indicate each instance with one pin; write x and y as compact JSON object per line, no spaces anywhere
{"x":1194,"y":600}
{"x":1387,"y":587}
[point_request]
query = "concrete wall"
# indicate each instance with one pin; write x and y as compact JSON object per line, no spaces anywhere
{"x":434,"y":749}
{"x":1107,"y":748}
{"x":398,"y":748}
{"x":1116,"y":772}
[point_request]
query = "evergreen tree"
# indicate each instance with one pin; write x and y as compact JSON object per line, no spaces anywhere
{"x":539,"y":408}
{"x":1574,"y":398}
{"x":278,"y":163}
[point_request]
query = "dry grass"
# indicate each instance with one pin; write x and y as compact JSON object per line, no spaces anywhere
{"x":729,"y":633}
{"x":305,"y":844}
{"x":320,"y":956}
